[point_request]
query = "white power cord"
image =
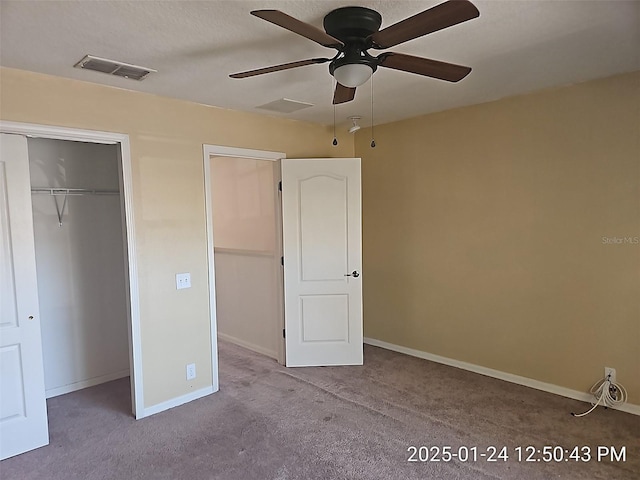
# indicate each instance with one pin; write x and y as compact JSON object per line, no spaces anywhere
{"x":607,"y":393}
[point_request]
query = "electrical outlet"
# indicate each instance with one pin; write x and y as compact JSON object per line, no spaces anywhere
{"x":191,"y":371}
{"x":608,"y":371}
{"x":183,"y":280}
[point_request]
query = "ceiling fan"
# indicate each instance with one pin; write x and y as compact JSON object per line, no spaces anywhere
{"x":354,"y":30}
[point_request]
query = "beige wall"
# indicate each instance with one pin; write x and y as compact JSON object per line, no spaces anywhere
{"x":243,"y":199}
{"x":483,"y":233}
{"x":168,"y":188}
{"x":483,"y":226}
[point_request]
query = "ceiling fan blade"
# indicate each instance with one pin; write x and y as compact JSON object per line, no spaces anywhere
{"x":297,"y":26}
{"x":277,"y":68}
{"x":343,"y":94}
{"x":441,"y":16}
{"x":424,"y":66}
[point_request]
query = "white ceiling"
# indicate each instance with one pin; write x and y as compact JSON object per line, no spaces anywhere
{"x":514,"y":47}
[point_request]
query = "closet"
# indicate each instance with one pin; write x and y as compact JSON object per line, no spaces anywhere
{"x":80,"y":261}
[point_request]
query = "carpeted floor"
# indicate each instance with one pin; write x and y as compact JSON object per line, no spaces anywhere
{"x":269,"y":422}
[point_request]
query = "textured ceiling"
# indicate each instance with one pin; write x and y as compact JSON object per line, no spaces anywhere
{"x":514,"y":47}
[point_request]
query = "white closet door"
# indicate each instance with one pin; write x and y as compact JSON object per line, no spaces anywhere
{"x":23,"y":409}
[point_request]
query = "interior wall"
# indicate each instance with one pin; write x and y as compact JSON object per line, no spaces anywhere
{"x":247,"y":252}
{"x":506,"y":234}
{"x":243,"y":196}
{"x":166,"y":138}
{"x":81,"y":267}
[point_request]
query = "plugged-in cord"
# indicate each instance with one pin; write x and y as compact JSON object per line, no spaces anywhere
{"x":607,"y":393}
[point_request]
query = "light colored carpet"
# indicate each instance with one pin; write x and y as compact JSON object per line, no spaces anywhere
{"x":269,"y":422}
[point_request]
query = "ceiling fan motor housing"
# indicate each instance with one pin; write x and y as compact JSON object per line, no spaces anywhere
{"x":349,"y":24}
{"x":352,"y":26}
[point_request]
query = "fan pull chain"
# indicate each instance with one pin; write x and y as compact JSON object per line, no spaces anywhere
{"x":373,"y":142}
{"x":335,"y":140}
{"x":334,"y":84}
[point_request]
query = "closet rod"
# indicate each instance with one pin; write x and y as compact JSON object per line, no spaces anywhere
{"x":72,"y":191}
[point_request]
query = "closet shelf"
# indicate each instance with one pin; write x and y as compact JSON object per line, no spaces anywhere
{"x":66,"y":192}
{"x":72,"y":191}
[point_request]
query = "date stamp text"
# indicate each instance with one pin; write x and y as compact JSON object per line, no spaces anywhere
{"x":529,"y":453}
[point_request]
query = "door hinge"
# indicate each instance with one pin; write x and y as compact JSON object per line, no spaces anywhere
{"x":282,"y":261}
{"x":280,"y":186}
{"x":284,"y":333}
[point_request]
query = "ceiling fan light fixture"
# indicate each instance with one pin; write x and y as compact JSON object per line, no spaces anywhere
{"x":352,"y":74}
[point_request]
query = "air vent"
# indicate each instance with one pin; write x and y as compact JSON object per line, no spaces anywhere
{"x":113,"y":67}
{"x":284,"y":105}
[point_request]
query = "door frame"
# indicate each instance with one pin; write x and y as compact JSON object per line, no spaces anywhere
{"x":131,"y":267}
{"x":234,"y":152}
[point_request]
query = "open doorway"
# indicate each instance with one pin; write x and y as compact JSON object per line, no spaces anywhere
{"x":318,"y":224}
{"x":78,"y":215}
{"x":245,"y":244}
{"x":81,"y":263}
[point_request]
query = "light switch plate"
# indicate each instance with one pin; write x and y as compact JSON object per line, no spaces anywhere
{"x":183,"y":280}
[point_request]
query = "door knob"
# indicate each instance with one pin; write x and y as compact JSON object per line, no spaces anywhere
{"x":353,"y":274}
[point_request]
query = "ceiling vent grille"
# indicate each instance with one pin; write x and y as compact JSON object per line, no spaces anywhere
{"x":285,"y":105}
{"x":113,"y":67}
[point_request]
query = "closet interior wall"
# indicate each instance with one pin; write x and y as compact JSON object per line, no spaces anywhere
{"x":247,"y":252}
{"x":80,"y":261}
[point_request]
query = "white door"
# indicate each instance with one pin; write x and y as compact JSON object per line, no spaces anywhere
{"x":322,"y":244}
{"x":23,"y":410}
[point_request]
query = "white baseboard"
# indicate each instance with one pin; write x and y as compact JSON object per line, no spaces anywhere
{"x":72,"y":387}
{"x":489,"y":372}
{"x":248,"y":345}
{"x":176,"y":402}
